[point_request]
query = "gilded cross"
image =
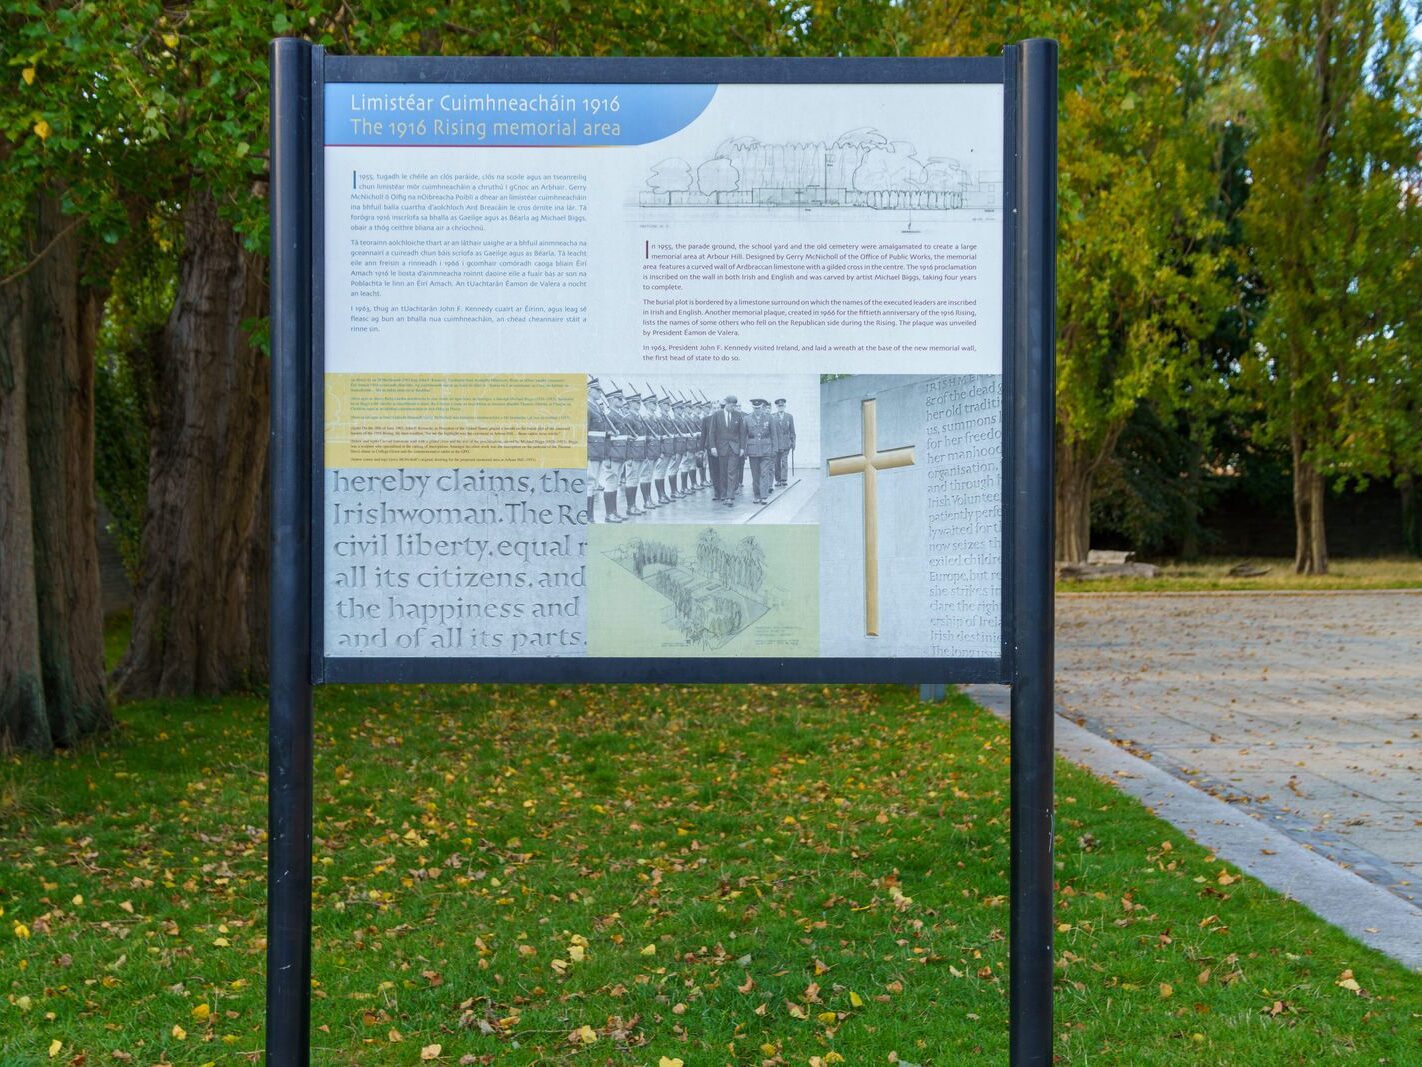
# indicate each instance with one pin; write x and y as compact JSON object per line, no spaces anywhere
{"x":869,"y":463}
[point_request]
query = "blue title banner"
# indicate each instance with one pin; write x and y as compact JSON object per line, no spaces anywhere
{"x":509,"y":116}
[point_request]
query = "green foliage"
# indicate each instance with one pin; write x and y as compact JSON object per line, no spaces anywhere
{"x":1172,"y":115}
{"x":67,"y":119}
{"x":1336,"y":228}
{"x":1153,"y":489}
{"x":1139,"y":265}
{"x":143,"y":286}
{"x":121,"y":458}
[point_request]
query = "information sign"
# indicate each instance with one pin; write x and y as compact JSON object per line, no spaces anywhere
{"x":638,"y":378}
{"x":662,"y":370}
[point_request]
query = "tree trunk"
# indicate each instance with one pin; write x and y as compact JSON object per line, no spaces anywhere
{"x":1190,"y":534}
{"x":1075,"y":469}
{"x":199,"y":624}
{"x":1411,"y":514}
{"x":51,"y":338}
{"x":23,"y":721}
{"x":1310,"y":543}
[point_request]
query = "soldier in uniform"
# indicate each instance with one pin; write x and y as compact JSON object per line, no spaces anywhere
{"x":600,"y":473}
{"x":760,"y":448}
{"x":617,"y":451}
{"x":676,"y":483}
{"x":704,"y":411}
{"x":651,"y":429}
{"x":783,"y":426}
{"x":686,"y":434}
{"x":625,"y":443}
{"x":662,"y":445}
{"x":713,"y":459}
{"x":636,"y":452}
{"x":675,"y":449}
{"x":695,"y":423}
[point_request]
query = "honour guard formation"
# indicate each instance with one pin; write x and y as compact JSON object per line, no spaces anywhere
{"x":650,"y":450}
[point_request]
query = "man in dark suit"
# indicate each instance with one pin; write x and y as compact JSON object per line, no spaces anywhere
{"x":727,"y":439}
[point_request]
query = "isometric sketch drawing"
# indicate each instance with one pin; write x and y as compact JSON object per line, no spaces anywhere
{"x":713,"y":593}
{"x":861,"y":168}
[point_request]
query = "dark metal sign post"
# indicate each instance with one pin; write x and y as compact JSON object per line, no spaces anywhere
{"x":298,"y":660}
{"x":289,"y":773}
{"x":1034,"y":401}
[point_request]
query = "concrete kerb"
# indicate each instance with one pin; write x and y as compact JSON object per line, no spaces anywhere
{"x":1368,"y":912}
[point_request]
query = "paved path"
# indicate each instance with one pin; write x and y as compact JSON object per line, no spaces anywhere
{"x":1305,"y":711}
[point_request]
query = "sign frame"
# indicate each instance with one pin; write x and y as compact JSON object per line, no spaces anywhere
{"x":299,"y":72}
{"x":333,"y":69}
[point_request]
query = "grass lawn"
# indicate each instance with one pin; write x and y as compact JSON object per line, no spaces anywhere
{"x":619,"y":875}
{"x":1398,"y":572}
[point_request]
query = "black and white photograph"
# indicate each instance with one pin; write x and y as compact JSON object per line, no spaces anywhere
{"x":719,"y":449}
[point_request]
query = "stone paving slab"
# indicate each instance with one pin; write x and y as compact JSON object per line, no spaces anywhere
{"x":1365,"y":910}
{"x":1303,"y":711}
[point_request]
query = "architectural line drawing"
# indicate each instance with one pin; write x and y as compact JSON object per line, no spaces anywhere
{"x":859,"y":169}
{"x":714,"y":594}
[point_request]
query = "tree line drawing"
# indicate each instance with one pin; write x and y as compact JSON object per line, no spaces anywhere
{"x":741,"y":568}
{"x":712,"y":599}
{"x":645,"y":553}
{"x":860,"y":168}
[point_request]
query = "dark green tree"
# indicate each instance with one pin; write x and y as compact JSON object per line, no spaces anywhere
{"x":1334,"y":234}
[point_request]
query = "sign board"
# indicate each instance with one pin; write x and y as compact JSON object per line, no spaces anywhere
{"x":535,"y":298}
{"x":662,"y":370}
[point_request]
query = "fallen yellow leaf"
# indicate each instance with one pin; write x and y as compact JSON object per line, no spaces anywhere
{"x":201,"y":1012}
{"x":1348,"y":982}
{"x":179,"y":1032}
{"x":431,"y":1052}
{"x":54,"y":1047}
{"x":855,"y":1000}
{"x":668,"y":1061}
